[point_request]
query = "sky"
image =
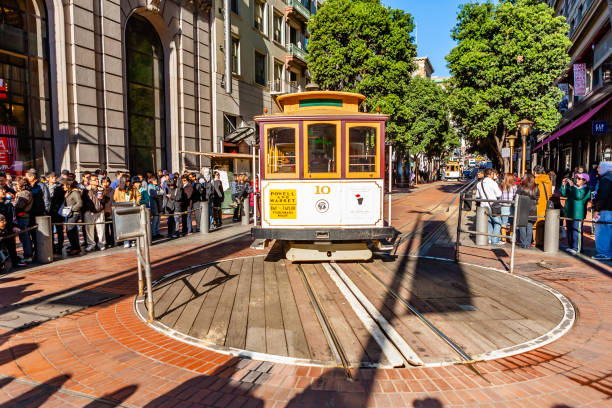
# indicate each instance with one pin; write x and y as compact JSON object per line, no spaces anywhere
{"x":434,"y":20}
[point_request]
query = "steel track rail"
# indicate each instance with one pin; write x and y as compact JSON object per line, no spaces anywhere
{"x":465,"y":356}
{"x":328,"y":331}
{"x":403,"y":237}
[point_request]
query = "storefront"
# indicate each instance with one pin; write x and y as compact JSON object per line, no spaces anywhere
{"x":26,"y":132}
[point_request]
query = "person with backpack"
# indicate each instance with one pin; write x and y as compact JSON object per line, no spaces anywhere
{"x":528,"y":188}
{"x":73,"y":204}
{"x":578,"y":195}
{"x":93,"y":205}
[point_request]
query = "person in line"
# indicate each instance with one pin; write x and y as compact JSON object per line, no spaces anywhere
{"x":602,"y":213}
{"x":171,"y":205}
{"x":194,"y":215}
{"x":124,"y":193}
{"x":184,"y":203}
{"x":578,"y":195}
{"x":508,"y":192}
{"x":156,"y":198}
{"x":544,"y":185}
{"x":118,"y":175}
{"x":41,"y":201}
{"x":487,"y":189}
{"x":73,"y":204}
{"x":93,"y":205}
{"x":56,"y":191}
{"x":217,"y":198}
{"x":8,"y":242}
{"x":23,"y":206}
{"x":107,"y":193}
{"x":528,"y":188}
{"x":5,"y":184}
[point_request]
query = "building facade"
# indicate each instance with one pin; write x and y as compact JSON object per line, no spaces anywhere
{"x":268,"y":58}
{"x":584,"y":135}
{"x":111,"y":84}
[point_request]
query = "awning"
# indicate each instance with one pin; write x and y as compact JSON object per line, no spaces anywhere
{"x":573,"y":125}
{"x":239,"y":135}
{"x":220,"y":155}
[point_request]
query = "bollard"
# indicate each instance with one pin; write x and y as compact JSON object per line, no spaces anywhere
{"x":204,"y":223}
{"x":482,"y":220}
{"x":149,"y":231}
{"x":551,"y":230}
{"x":246,"y":217}
{"x":44,"y":240}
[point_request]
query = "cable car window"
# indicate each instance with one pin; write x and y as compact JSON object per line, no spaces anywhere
{"x":281,"y":150}
{"x":362,"y":149}
{"x":322,"y":139}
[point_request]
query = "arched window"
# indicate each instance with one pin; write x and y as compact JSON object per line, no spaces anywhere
{"x":25,"y":114}
{"x":146,"y":106}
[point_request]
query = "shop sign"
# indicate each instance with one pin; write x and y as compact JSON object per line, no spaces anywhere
{"x":8,"y":153}
{"x":3,"y":88}
{"x":599,"y":127}
{"x":580,"y":79}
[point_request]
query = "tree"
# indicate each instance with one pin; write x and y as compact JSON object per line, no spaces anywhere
{"x":363,"y":46}
{"x":428,"y":128}
{"x":504,"y":69}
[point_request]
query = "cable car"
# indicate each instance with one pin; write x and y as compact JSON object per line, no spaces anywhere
{"x":452,"y":170}
{"x":322,"y":177}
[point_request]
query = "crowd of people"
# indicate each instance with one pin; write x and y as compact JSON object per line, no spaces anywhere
{"x":86,"y":206}
{"x":543,"y":191}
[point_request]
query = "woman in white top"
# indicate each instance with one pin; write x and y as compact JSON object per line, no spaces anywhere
{"x":487,"y":189}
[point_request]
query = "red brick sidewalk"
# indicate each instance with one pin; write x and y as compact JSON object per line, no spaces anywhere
{"x":106,"y":356}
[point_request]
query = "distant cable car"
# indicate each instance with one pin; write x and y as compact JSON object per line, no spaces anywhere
{"x":322,"y":177}
{"x":452,"y":170}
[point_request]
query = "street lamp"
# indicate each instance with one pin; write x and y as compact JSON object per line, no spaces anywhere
{"x":525,"y":127}
{"x":511,"y":139}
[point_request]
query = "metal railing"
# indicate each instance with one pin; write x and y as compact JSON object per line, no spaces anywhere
{"x":512,"y":236}
{"x":293,"y":49}
{"x":301,"y":8}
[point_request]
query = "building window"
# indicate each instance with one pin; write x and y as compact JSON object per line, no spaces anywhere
{"x":277,"y":86}
{"x":260,"y":16}
{"x":234,"y":6}
{"x":260,"y":68}
{"x":236,"y":56}
{"x":26,"y":138}
{"x":146,"y":103}
{"x":278,"y":28}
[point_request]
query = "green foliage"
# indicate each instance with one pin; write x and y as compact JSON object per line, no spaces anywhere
{"x":504,"y":69}
{"x":426,"y":114}
{"x":363,"y":46}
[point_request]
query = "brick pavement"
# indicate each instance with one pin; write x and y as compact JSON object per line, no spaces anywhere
{"x":106,"y":356}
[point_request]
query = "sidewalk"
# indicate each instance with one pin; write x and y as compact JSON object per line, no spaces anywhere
{"x":105,"y":356}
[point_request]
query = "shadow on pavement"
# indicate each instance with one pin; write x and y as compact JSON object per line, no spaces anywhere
{"x":329,"y":389}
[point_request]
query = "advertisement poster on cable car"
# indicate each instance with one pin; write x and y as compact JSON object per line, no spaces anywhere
{"x":353,"y":203}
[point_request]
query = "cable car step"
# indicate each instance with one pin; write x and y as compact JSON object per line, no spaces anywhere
{"x":259,"y":244}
